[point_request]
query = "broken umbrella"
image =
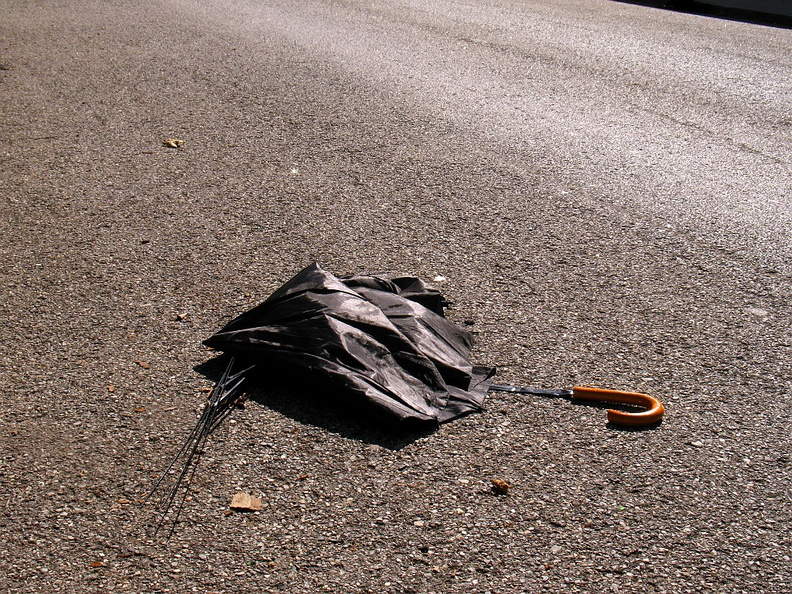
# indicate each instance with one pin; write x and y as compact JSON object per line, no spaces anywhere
{"x":379,"y":345}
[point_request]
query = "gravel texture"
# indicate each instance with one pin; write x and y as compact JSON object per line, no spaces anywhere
{"x":603,"y":189}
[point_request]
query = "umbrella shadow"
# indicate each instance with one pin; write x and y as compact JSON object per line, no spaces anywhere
{"x":311,"y":403}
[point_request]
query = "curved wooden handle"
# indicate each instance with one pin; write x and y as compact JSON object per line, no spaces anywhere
{"x":653,"y":413}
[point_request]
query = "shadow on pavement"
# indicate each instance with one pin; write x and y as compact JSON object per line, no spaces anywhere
{"x":731,"y":14}
{"x":319,"y":406}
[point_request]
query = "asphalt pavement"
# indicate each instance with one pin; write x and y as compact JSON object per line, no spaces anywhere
{"x":601,"y":190}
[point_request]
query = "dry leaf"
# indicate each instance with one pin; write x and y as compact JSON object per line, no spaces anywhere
{"x":97,"y":564}
{"x":245,"y":502}
{"x":140,"y":410}
{"x":500,"y":487}
{"x":143,"y":364}
{"x":172,"y":142}
{"x":111,"y":388}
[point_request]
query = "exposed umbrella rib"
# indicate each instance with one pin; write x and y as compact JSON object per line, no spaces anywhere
{"x":190,"y":438}
{"x":218,"y":407}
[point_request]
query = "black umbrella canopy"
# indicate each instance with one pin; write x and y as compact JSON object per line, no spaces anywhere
{"x":372,"y":345}
{"x":381,"y":340}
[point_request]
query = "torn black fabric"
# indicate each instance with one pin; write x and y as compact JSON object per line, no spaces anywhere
{"x":381,"y":340}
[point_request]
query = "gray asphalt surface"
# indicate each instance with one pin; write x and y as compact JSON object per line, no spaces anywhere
{"x":602,"y":188}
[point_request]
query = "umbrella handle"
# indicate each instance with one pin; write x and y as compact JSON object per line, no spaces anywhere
{"x":653,"y":413}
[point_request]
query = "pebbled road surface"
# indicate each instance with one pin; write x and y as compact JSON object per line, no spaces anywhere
{"x":603,"y":189}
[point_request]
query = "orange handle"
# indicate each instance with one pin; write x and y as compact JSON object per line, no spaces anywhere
{"x":653,"y":413}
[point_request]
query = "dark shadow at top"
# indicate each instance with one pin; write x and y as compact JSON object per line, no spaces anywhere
{"x":321,"y":406}
{"x":731,"y":14}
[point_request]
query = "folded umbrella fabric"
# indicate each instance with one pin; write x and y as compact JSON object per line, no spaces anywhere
{"x":380,"y":340}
